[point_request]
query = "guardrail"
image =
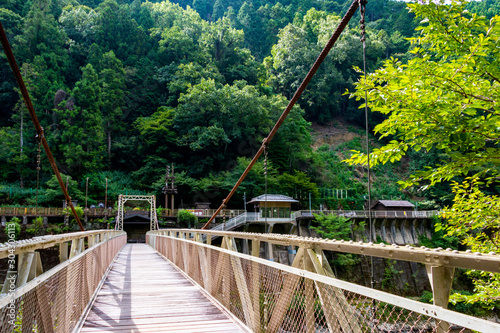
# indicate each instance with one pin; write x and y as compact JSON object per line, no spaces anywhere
{"x":306,"y":297}
{"x":53,"y":211}
{"x":50,"y":211}
{"x":415,"y":214}
{"x":236,"y":221}
{"x":229,"y":213}
{"x":54,"y":301}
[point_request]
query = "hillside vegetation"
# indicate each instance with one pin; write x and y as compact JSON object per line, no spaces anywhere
{"x":124,"y":88}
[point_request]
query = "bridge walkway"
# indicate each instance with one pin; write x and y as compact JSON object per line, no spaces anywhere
{"x":145,"y":293}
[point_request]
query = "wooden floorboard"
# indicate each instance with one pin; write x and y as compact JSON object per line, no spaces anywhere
{"x":144,"y":293}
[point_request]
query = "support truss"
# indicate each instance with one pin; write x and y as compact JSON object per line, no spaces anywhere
{"x":121,"y":204}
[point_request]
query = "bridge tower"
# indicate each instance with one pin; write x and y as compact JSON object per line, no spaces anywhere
{"x":121,"y":204}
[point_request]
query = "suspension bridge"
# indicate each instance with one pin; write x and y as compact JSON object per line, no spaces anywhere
{"x":180,"y":282}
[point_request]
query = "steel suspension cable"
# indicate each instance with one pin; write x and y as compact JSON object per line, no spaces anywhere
{"x":362,"y":10}
{"x":265,"y":187}
{"x":34,"y":118}
{"x":265,"y":143}
{"x":38,"y":160}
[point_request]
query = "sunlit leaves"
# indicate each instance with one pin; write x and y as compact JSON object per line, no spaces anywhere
{"x":446,"y":97}
{"x":474,"y":218}
{"x":79,"y":22}
{"x":297,"y":49}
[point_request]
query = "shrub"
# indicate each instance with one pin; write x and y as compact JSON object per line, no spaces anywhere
{"x":439,"y":237}
{"x":333,"y":226}
{"x":13,"y":225}
{"x":337,"y":227}
{"x":54,"y":230}
{"x":187,"y":218}
{"x":79,"y":212}
{"x":36,"y":227}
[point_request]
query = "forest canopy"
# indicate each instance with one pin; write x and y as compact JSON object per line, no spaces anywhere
{"x":125,"y":88}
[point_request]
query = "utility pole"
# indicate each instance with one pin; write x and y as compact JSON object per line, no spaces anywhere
{"x":310,"y":212}
{"x":169,"y":188}
{"x":174,"y":191}
{"x":166,"y":187}
{"x":86,"y":199}
{"x":86,"y":193}
{"x":106,"y":195}
{"x":21,"y":144}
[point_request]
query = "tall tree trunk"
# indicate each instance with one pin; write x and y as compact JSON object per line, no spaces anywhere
{"x":21,"y":144}
{"x":109,"y":145}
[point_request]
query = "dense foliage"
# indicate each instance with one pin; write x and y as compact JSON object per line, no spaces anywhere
{"x":123,"y":88}
{"x":446,"y":98}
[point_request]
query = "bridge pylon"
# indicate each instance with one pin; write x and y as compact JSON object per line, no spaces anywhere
{"x":121,"y":204}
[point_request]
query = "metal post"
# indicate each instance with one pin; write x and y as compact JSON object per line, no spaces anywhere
{"x":86,"y":193}
{"x":310,"y":212}
{"x":166,"y":187}
{"x":173,"y":187}
{"x":245,"y":201}
{"x":106,"y":196}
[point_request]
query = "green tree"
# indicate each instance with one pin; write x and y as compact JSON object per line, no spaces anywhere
{"x":445,"y":98}
{"x":87,"y":93}
{"x":188,"y":75}
{"x":112,"y":79}
{"x":78,"y":133}
{"x":187,"y":218}
{"x":336,"y":227}
{"x":270,"y":19}
{"x":54,"y":195}
{"x":11,"y":23}
{"x":474,"y":219}
{"x":333,"y":227}
{"x":488,"y":8}
{"x":225,"y":46}
{"x":299,"y":186}
{"x":80,"y":25}
{"x":204,"y":8}
{"x":14,"y":163}
{"x":178,"y":32}
{"x":142,"y":15}
{"x":290,"y":147}
{"x":249,"y":22}
{"x":43,"y":45}
{"x":218,"y":10}
{"x":299,"y":45}
{"x":36,"y":227}
{"x":13,"y":226}
{"x":157,"y":133}
{"x":157,"y":142}
{"x":118,"y":32}
{"x":177,"y":46}
{"x":218,"y":123}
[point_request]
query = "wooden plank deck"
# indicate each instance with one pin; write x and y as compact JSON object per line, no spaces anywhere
{"x":145,"y":293}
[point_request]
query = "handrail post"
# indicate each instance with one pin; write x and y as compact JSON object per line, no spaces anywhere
{"x":441,"y":279}
{"x":63,"y":251}
{"x":29,"y":267}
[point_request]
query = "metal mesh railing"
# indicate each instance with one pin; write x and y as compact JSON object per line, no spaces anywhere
{"x":270,"y":297}
{"x":365,"y":214}
{"x":55,"y":301}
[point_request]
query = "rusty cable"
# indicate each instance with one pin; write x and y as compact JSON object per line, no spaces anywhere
{"x":34,"y":118}
{"x":345,"y":20}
